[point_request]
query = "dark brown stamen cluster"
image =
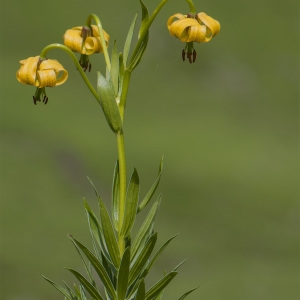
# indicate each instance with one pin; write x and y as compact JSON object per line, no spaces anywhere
{"x":191,"y":55}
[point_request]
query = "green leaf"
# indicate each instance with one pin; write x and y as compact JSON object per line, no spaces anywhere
{"x":146,"y":228}
{"x":91,"y":182}
{"x":145,"y":18}
{"x":128,"y":41}
{"x":73,"y":295}
{"x":155,"y":256}
{"x":109,"y":236}
{"x":95,"y":230}
{"x":99,"y":268}
{"x":177,"y":267}
{"x":141,"y":291}
{"x":123,"y":273}
{"x":116,"y":196}
{"x":153,"y":188}
{"x":108,"y":103}
{"x":114,"y":70}
{"x":160,"y":285}
{"x":121,"y":74}
{"x":87,"y":285}
{"x":132,"y":198}
{"x":82,"y":293}
{"x":186,"y":294}
{"x":87,"y":269}
{"x":60,"y":288}
{"x":139,"y":54}
{"x":139,"y":262}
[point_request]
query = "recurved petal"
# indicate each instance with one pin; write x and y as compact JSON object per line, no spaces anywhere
{"x":212,"y":24}
{"x":46,"y":78}
{"x":27,"y":72}
{"x":73,"y":39}
{"x":197,"y":33}
{"x":58,"y":75}
{"x":172,"y":19}
{"x":92,"y":45}
{"x":95,"y":33}
{"x":181,"y":28}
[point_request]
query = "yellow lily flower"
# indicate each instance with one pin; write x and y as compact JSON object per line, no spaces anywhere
{"x":41,"y":73}
{"x":190,"y":28}
{"x":85,"y":40}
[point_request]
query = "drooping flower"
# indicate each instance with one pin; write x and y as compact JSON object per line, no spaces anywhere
{"x":191,"y":28}
{"x":85,"y":40}
{"x":41,"y":73}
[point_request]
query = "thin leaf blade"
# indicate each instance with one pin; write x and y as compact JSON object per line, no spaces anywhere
{"x":160,"y":285}
{"x":109,"y":235}
{"x":87,"y":285}
{"x":123,"y":273}
{"x":132,"y":198}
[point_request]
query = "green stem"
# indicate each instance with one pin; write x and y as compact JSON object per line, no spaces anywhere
{"x":102,"y":39}
{"x":75,"y":60}
{"x":192,"y":6}
{"x":122,"y":176}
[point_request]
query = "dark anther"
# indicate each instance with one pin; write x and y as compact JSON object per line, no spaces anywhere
{"x":34,"y":100}
{"x":190,"y":15}
{"x":189,"y":55}
{"x":45,"y":99}
{"x":90,"y":67}
{"x":194,"y":55}
{"x":183,"y":55}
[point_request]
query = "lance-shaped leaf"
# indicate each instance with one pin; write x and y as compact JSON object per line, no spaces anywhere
{"x":108,"y":103}
{"x":153,"y":188}
{"x":87,"y":268}
{"x":146,"y":228}
{"x":155,"y":257}
{"x":160,"y":285}
{"x":109,"y":236}
{"x":114,"y":70}
{"x":122,"y":277}
{"x":132,"y":197}
{"x":139,"y":262}
{"x":186,"y":294}
{"x":96,"y":232}
{"x":87,"y":285}
{"x":128,"y":41}
{"x":116,"y":196}
{"x":60,"y":288}
{"x":143,"y":38}
{"x":141,"y":291}
{"x":99,"y":268}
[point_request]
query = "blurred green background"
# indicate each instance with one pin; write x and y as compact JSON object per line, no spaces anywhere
{"x":228,"y":127}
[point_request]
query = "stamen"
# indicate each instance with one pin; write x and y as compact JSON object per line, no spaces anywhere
{"x":194,"y":55}
{"x":183,"y":55}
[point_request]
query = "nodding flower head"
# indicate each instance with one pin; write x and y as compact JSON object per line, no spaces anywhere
{"x":85,"y":40}
{"x":191,"y":28}
{"x":41,"y":73}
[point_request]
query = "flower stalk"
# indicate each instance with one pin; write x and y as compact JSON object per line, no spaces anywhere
{"x":75,"y":61}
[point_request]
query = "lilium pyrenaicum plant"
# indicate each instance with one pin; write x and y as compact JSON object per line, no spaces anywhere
{"x":117,"y":266}
{"x":41,"y":73}
{"x":199,"y":28}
